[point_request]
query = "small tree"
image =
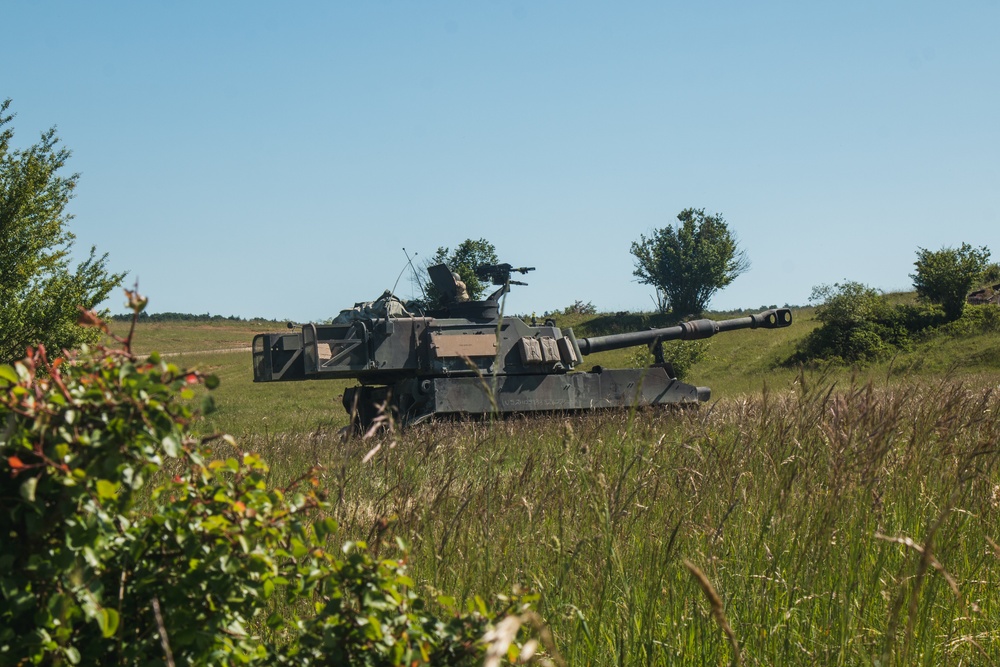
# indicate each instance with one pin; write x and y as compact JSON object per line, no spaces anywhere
{"x":946,"y":276}
{"x":689,"y":263}
{"x":467,"y":256}
{"x":39,"y":290}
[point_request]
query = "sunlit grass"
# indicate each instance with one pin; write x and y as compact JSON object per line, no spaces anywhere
{"x":807,"y":510}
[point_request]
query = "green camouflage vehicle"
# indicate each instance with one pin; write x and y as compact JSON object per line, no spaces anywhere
{"x":465,"y":359}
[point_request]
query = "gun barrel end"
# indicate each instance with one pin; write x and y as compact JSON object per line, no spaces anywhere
{"x":775,"y":318}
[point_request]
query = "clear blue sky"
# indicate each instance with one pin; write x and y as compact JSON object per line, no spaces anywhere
{"x":272,"y":159}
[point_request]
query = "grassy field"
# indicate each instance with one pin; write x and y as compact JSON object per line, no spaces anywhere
{"x":840,"y":516}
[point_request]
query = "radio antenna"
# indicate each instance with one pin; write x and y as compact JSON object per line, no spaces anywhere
{"x":397,"y":279}
{"x":416,"y":274}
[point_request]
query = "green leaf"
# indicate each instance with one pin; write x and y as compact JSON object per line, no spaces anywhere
{"x":7,"y":373}
{"x":107,"y":619}
{"x":211,"y":381}
{"x":207,"y":405}
{"x":325,"y":527}
{"x":106,"y":489}
{"x":28,"y":489}
{"x":299,"y":549}
{"x":125,"y":370}
{"x":171,"y":446}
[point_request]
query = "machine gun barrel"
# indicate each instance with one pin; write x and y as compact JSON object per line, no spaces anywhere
{"x":693,"y":330}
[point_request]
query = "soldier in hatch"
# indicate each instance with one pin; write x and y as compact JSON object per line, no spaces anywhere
{"x":461,"y":292}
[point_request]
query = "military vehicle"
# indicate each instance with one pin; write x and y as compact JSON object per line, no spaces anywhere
{"x":467,"y":359}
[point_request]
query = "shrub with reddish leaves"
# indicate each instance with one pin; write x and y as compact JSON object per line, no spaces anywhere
{"x":212,"y":566}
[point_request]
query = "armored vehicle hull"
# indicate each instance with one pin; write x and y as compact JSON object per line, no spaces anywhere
{"x":415,"y":400}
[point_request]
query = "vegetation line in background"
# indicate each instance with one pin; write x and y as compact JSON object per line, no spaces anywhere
{"x":861,"y":325}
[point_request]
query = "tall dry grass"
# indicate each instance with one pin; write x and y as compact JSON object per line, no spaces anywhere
{"x":836,"y":525}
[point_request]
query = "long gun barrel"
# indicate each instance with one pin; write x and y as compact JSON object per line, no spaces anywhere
{"x":693,"y":330}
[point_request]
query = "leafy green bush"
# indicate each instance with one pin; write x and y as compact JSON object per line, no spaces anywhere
{"x":857,"y":325}
{"x":580,"y":308}
{"x":681,"y":354}
{"x":214,"y":566}
{"x":991,"y":274}
{"x":975,"y":320}
{"x":920,"y":318}
{"x":946,"y":276}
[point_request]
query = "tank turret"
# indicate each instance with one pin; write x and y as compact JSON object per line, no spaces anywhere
{"x":464,"y":358}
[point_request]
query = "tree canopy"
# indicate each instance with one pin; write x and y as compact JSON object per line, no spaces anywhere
{"x":689,"y":263}
{"x":40,"y":290}
{"x":946,"y":276}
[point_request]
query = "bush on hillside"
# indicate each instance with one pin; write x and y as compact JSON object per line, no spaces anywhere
{"x":991,"y":275}
{"x":194,"y":573}
{"x":920,"y":318}
{"x":858,"y":324}
{"x":946,"y":276}
{"x":975,"y":320}
{"x":580,"y":308}
{"x":682,"y":355}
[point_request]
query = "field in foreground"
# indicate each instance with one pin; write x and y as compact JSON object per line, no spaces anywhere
{"x":854,"y":523}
